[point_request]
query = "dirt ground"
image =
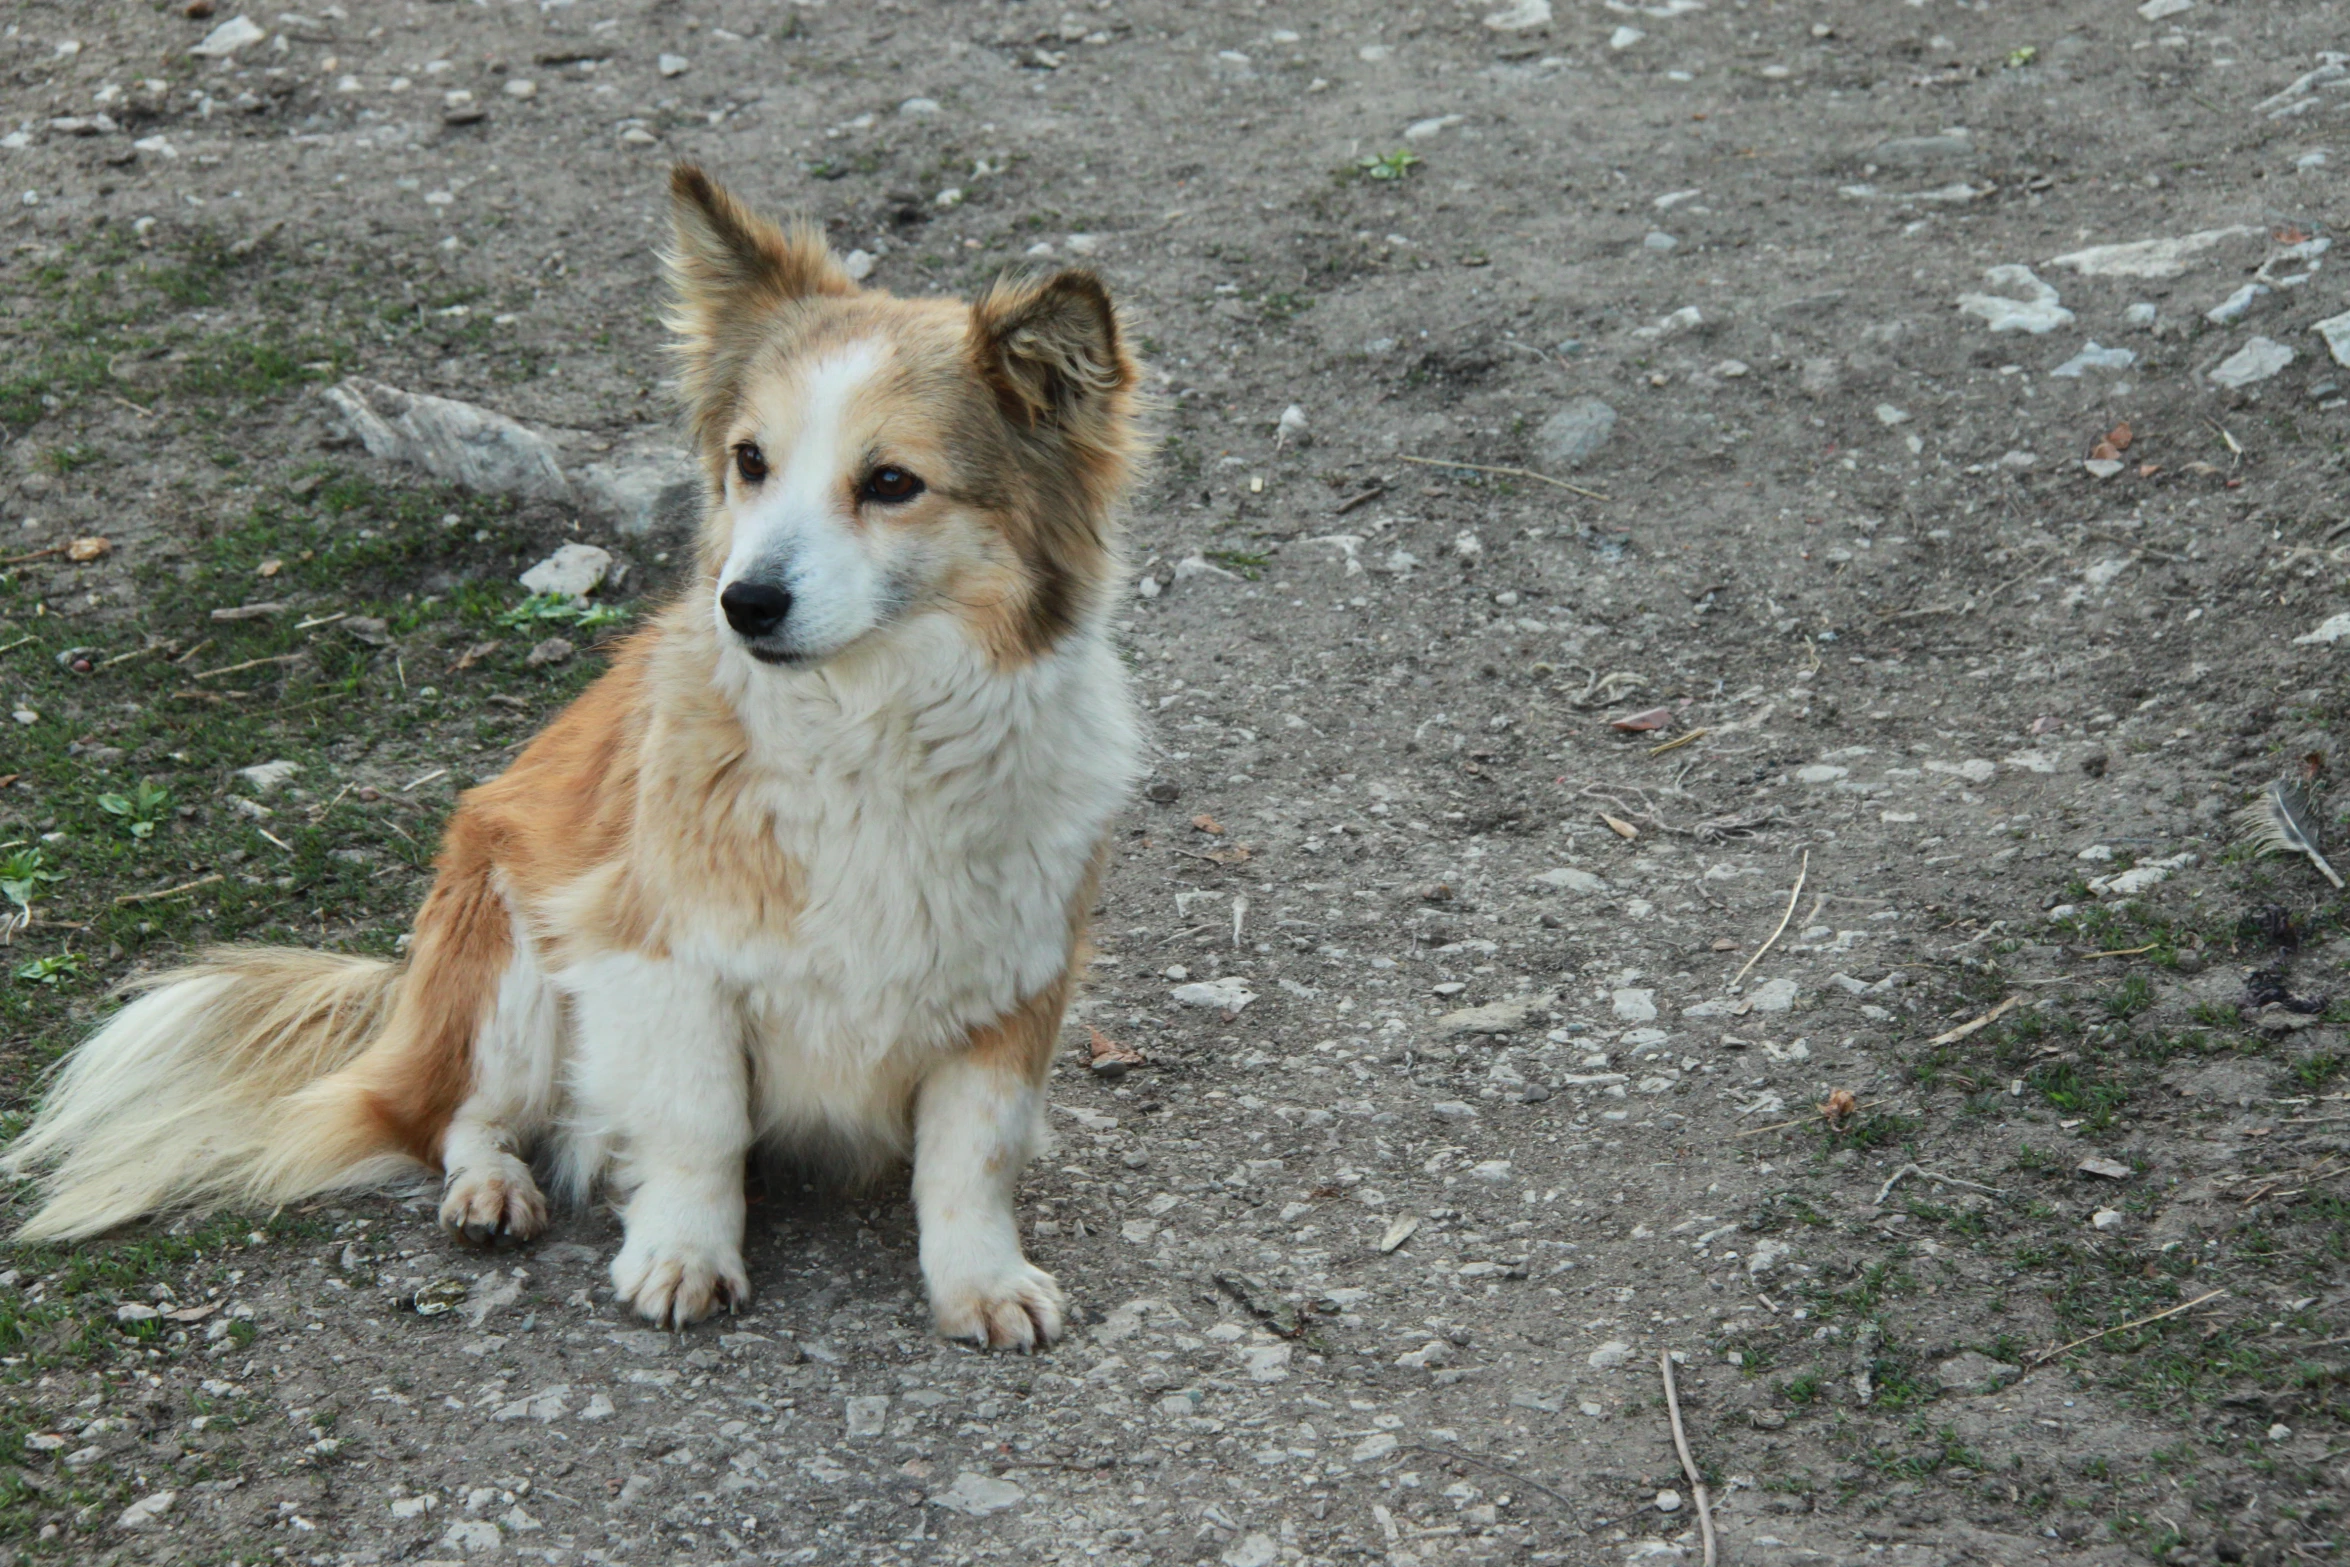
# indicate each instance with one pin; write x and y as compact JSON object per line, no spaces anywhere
{"x":1501,"y":1088}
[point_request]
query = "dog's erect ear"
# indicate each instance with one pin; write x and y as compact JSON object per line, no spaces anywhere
{"x":1049,"y":346}
{"x":727,"y":269}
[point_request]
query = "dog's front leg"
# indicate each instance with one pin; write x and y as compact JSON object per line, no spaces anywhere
{"x":662,"y":1076}
{"x":977,"y":1118}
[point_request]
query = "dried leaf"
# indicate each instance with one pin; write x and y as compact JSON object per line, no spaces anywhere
{"x":2120,"y":436}
{"x":1642,"y":723}
{"x":1618,"y":826}
{"x":474,"y":655}
{"x":89,"y":549}
{"x":1208,"y":824}
{"x":269,"y":568}
{"x":2105,"y":451}
{"x":1838,"y":1108}
{"x":1111,"y":1059}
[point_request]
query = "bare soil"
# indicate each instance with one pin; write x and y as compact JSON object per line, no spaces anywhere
{"x":1362,"y":1271}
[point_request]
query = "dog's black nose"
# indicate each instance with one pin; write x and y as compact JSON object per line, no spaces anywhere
{"x":754,"y":608}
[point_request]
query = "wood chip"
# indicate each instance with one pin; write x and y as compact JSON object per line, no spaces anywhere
{"x":249,"y":612}
{"x":1618,"y":826}
{"x":1400,"y":1231}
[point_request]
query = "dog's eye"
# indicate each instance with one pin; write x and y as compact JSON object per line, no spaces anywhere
{"x":750,"y":462}
{"x":892,"y":486}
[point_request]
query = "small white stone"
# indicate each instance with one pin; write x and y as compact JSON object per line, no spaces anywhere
{"x":952,"y":196}
{"x":919,"y":108}
{"x":143,"y":1513}
{"x":1624,"y":37}
{"x":574,"y":570}
{"x":858,"y":264}
{"x":522,"y":87}
{"x":673,"y":64}
{"x":1609,"y":1356}
{"x":219,"y":44}
{"x":2107,"y":1219}
{"x":1668,"y":1501}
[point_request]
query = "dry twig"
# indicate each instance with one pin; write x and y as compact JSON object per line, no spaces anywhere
{"x":1793,"y":893}
{"x":1513,"y":473}
{"x":2047,"y":1355}
{"x":1705,"y":1510}
{"x":1924,"y":1174}
{"x":169,"y":892}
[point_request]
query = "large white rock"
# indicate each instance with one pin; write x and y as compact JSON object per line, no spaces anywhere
{"x":220,"y":43}
{"x":1229,"y":994}
{"x":976,"y":1495}
{"x":455,"y":442}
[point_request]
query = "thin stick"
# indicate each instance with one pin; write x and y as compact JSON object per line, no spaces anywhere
{"x":18,"y":560}
{"x":169,"y":892}
{"x":1975,"y":1025}
{"x":13,"y":646}
{"x":1924,"y":1174}
{"x":2126,"y":952}
{"x":438,"y":772}
{"x":1793,"y":893}
{"x":2047,"y":1355}
{"x":1675,"y":745}
{"x":1514,"y":473}
{"x":124,"y":658}
{"x":1362,"y":499}
{"x":251,"y":663}
{"x":1705,"y":1511}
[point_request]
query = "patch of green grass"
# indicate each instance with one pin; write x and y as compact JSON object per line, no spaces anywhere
{"x":559,"y":609}
{"x":51,"y":970}
{"x":2129,"y":998}
{"x":2070,"y":1092}
{"x":140,"y":809}
{"x":2311,"y":1073}
{"x":1387,"y":165}
{"x":1805,"y":1390}
{"x":1241,"y":562}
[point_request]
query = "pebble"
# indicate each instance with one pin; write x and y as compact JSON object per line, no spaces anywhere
{"x":143,"y":1513}
{"x":2094,"y":356}
{"x":673,"y":64}
{"x":919,"y":108}
{"x":2149,"y":258}
{"x":858,"y":264}
{"x":1568,"y":879}
{"x":1668,"y":1501}
{"x":1624,"y":37}
{"x":1659,"y":241}
{"x":2038,"y":314}
{"x":1229,"y":994}
{"x":226,"y":39}
{"x":522,"y":87}
{"x":1575,"y":432}
{"x":1609,"y":1356}
{"x":2233,"y":308}
{"x":1293,"y":424}
{"x":1520,"y":16}
{"x":976,"y":1495}
{"x":574,"y":571}
{"x":2336,"y":331}
{"x":268,"y":777}
{"x":2107,"y":1219}
{"x":2252,"y":362}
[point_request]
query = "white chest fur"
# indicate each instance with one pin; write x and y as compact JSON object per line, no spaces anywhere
{"x":944,"y":815}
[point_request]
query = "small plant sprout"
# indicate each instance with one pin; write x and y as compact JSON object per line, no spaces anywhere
{"x":140,"y":809}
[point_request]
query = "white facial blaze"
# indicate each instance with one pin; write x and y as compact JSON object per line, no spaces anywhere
{"x":796,"y":530}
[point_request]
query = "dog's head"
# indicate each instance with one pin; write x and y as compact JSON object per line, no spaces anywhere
{"x":872,"y":459}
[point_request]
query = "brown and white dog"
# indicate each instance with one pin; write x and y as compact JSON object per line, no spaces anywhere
{"x":805,"y":870}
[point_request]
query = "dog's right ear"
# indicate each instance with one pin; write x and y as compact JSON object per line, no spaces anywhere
{"x":728,"y":269}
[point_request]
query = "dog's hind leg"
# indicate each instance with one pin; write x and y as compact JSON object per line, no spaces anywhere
{"x":488,"y":1195}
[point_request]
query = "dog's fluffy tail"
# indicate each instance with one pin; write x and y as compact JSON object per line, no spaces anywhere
{"x":253,"y":1077}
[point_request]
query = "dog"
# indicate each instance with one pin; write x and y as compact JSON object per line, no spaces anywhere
{"x":806,"y":871}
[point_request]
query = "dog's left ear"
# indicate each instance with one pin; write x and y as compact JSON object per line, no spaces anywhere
{"x":1050,"y":346}
{"x":728,"y":270}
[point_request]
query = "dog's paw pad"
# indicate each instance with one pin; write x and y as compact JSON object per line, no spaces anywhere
{"x":1016,"y":1308}
{"x":674,"y":1283}
{"x":490,"y":1205}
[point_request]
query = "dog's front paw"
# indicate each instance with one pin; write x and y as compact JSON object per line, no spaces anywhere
{"x":494,"y":1202}
{"x":672,"y":1282}
{"x":1013,"y":1306}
